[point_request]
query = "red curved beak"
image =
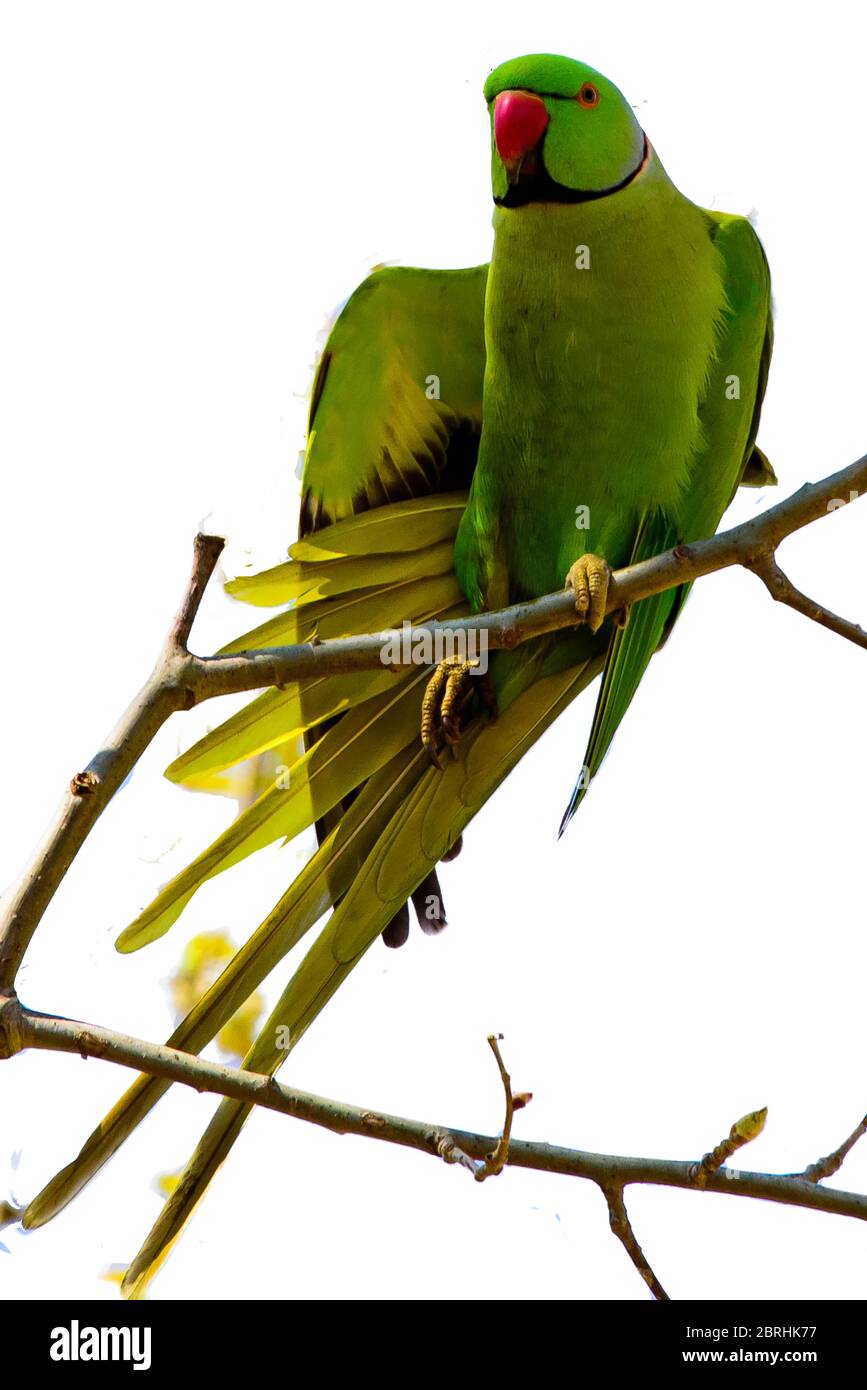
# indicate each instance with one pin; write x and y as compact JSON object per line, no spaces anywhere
{"x":520,"y":121}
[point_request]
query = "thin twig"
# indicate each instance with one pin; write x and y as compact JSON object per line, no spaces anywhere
{"x":206,"y":552}
{"x":618,"y":1219}
{"x":496,"y":1161}
{"x":89,"y":792}
{"x":493,"y":1163}
{"x":606,"y":1170}
{"x":833,"y":1162}
{"x":781,"y":588}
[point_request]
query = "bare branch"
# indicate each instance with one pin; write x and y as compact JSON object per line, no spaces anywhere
{"x":781,"y":588}
{"x":608,"y":1171}
{"x":833,"y":1162}
{"x":89,"y":792}
{"x":493,"y":1163}
{"x":496,"y":1161}
{"x":206,"y":552}
{"x":620,"y":1224}
{"x":747,"y":545}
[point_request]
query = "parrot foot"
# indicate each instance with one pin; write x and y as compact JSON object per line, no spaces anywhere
{"x":590,"y":577}
{"x":447,"y":692}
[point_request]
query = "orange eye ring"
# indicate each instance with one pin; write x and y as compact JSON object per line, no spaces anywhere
{"x":588,"y":95}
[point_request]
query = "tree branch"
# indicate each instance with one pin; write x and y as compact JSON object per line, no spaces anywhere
{"x":748,"y":545}
{"x":608,"y":1171}
{"x":181,"y":679}
{"x":493,"y":1163}
{"x":89,"y":792}
{"x":828,"y":1166}
{"x":621,"y":1226}
{"x":781,"y":588}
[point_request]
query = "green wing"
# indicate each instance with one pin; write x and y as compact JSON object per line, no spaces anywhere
{"x":729,"y":415}
{"x":396,"y":410}
{"x":730,"y":422}
{"x":394,"y":422}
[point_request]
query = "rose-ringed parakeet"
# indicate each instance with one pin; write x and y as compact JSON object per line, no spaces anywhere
{"x":610,"y":362}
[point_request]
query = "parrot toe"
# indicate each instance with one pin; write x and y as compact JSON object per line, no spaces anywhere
{"x":427,"y":900}
{"x":397,"y":931}
{"x":589,"y":577}
{"x":449,"y":690}
{"x":428,"y":903}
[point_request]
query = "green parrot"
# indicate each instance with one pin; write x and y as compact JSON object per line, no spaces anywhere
{"x":476,"y":437}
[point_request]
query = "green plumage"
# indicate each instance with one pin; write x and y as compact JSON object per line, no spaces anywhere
{"x":595,"y":390}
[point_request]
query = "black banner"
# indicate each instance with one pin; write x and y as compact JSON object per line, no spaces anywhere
{"x":86,"y":1339}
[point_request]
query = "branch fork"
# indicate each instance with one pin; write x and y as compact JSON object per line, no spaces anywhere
{"x":493,"y":1163}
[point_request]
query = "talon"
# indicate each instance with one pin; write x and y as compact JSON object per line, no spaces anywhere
{"x":445,"y":697}
{"x":430,"y":710}
{"x":450,"y":709}
{"x":590,"y":577}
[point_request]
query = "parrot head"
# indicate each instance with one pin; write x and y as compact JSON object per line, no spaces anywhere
{"x":561,"y":132}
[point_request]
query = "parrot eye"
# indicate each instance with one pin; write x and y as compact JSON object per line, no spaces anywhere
{"x":588,"y":96}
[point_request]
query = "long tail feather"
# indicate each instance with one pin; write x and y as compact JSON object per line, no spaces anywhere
{"x":362,"y":742}
{"x":429,"y":819}
{"x":319,"y":885}
{"x":368,"y":611}
{"x":412,"y":525}
{"x":306,"y":582}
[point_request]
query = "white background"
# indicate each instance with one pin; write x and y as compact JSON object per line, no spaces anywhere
{"x":189,"y":192}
